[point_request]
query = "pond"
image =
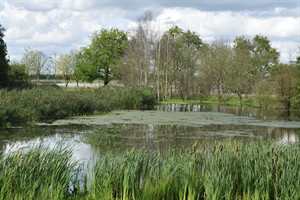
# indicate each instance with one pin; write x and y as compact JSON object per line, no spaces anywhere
{"x":167,"y":126}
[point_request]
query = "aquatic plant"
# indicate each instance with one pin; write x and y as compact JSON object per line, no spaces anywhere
{"x":225,"y":170}
{"x":230,"y":170}
{"x":38,"y":173}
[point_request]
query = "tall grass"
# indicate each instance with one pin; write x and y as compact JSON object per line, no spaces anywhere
{"x":230,"y":170}
{"x":48,"y":103}
{"x":226,"y":170}
{"x":39,"y":173}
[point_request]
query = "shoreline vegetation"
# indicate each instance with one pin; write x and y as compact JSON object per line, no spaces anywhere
{"x":225,"y":170}
{"x":49,"y":103}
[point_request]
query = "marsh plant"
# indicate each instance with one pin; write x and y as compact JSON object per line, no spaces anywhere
{"x":230,"y":170}
{"x":38,"y":173}
{"x":50,"y":103}
{"x":225,"y":170}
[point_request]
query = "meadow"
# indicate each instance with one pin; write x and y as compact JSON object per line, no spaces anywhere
{"x":230,"y":169}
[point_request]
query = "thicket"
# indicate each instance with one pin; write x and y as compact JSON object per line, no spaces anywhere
{"x":226,"y":170}
{"x":50,"y":103}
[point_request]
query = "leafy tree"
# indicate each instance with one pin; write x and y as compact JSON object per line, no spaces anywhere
{"x":189,"y":48}
{"x":66,"y":66}
{"x":263,"y":93}
{"x":18,"y":74}
{"x":265,"y":56}
{"x":215,"y":65}
{"x":35,"y":61}
{"x":178,"y":60}
{"x":85,"y":70}
{"x":241,"y":72}
{"x":100,"y":58}
{"x":298,"y":61}
{"x":285,"y":82}
{"x":4,"y":65}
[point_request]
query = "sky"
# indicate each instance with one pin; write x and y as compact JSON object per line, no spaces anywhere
{"x":57,"y":26}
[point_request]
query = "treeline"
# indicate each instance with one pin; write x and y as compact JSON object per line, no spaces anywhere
{"x":176,"y":62}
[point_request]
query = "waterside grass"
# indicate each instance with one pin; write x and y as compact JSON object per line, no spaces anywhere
{"x":50,"y":103}
{"x":38,"y":173}
{"x":230,"y":170}
{"x":226,"y":170}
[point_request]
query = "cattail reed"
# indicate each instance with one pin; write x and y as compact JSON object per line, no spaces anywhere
{"x":145,"y":174}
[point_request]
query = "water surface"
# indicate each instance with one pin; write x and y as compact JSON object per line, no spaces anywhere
{"x":168,"y":126}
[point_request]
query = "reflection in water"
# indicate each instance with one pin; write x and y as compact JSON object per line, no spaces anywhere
{"x":275,"y":114}
{"x":286,"y":135}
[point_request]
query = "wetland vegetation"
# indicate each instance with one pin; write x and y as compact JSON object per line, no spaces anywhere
{"x":50,"y":103}
{"x":224,"y":170}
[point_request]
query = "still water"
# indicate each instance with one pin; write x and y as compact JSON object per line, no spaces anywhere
{"x":168,"y":126}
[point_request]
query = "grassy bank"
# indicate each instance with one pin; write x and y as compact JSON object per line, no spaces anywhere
{"x":227,"y":170}
{"x":49,"y":103}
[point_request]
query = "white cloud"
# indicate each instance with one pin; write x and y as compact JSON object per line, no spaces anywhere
{"x":280,"y":30}
{"x":230,"y":24}
{"x":35,"y":5}
{"x":59,"y":25}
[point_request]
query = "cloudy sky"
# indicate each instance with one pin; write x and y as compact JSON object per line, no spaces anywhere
{"x":60,"y":25}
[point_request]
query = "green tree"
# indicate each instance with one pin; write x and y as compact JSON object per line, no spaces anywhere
{"x":18,"y":74}
{"x":241,"y":72}
{"x":264,"y":55}
{"x":177,"y":60}
{"x":66,"y":66}
{"x":4,"y":62}
{"x":35,"y":61}
{"x":189,"y":47}
{"x":215,"y":65}
{"x":85,"y":69}
{"x":285,"y":82}
{"x":100,"y":58}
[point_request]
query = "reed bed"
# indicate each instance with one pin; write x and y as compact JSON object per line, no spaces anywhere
{"x":38,"y":173}
{"x":50,"y":103}
{"x":226,"y":170}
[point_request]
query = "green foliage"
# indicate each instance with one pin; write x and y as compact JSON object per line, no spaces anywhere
{"x":35,"y":61}
{"x":263,"y":94}
{"x":100,"y":58}
{"x":38,"y":173}
{"x":296,"y":97}
{"x":49,"y":103}
{"x":265,"y":56}
{"x":4,"y":66}
{"x":18,"y":75}
{"x":66,"y":66}
{"x":227,"y":170}
{"x":224,"y":170}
